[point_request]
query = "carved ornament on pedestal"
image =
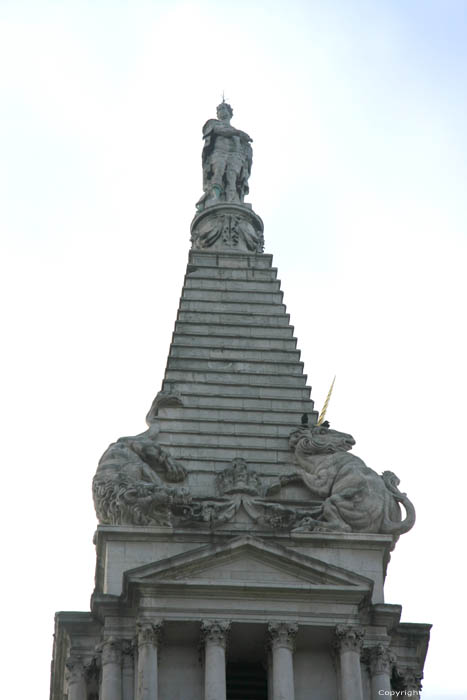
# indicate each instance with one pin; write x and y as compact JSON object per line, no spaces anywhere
{"x":228,"y":227}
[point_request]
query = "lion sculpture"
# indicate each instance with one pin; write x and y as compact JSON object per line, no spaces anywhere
{"x":127,"y":488}
{"x":356,"y":498}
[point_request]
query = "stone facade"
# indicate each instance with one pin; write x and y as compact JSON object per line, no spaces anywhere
{"x":241,"y":548}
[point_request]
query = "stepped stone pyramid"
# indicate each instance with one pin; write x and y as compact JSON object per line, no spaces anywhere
{"x":242,"y":548}
{"x":234,"y":360}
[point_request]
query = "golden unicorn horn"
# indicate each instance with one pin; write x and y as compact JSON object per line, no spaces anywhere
{"x":325,"y":407}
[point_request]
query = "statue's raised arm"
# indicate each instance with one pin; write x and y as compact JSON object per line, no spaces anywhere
{"x":227,"y":158}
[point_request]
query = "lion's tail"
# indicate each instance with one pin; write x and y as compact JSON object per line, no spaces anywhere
{"x":389,"y":526}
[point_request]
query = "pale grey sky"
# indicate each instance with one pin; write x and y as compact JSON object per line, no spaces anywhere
{"x":357,"y":111}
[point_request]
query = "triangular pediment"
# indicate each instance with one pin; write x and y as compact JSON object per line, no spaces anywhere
{"x":247,"y":561}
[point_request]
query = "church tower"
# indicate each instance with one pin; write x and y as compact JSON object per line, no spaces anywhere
{"x":242,"y":548}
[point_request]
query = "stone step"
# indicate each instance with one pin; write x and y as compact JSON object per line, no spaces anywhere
{"x":231,"y":401}
{"x":232,"y":297}
{"x":258,"y":286}
{"x":257,"y":366}
{"x":222,"y":415}
{"x":231,"y":328}
{"x":237,"y":319}
{"x":232,"y":354}
{"x":217,"y":389}
{"x":234,"y":440}
{"x":210,"y":453}
{"x":235,"y":378}
{"x":233,"y":260}
{"x":247,"y":274}
{"x":224,"y":343}
{"x":232,"y":307}
{"x":196,"y":426}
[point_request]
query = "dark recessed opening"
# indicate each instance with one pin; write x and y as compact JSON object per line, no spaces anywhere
{"x":247,"y":681}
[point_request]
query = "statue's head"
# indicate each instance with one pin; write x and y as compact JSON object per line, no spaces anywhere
{"x":224,"y":111}
{"x":320,"y":439}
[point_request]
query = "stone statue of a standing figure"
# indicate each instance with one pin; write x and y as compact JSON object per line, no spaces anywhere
{"x":227,"y":157}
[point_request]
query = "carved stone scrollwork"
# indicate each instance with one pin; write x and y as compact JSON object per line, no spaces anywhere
{"x":149,"y":632}
{"x":380,"y":659}
{"x":228,"y":227}
{"x":349,"y":638}
{"x":282,"y":634}
{"x":241,"y":487}
{"x":215,"y":632}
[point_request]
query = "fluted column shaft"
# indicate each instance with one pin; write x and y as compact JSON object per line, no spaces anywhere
{"x":148,"y":641}
{"x":111,"y":675}
{"x":214,"y":635}
{"x":282,"y":641}
{"x":75,"y":678}
{"x":349,"y":642}
{"x":381,"y":661}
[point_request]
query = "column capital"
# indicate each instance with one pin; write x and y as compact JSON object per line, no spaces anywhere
{"x":282,"y":634}
{"x":380,"y":659}
{"x":349,"y":638}
{"x":215,"y":631}
{"x":409,"y":678}
{"x":149,"y":632}
{"x":128,"y":651}
{"x":74,"y":669}
{"x":111,"y":650}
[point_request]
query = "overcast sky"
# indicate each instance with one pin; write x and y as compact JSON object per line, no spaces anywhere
{"x":358,"y":111}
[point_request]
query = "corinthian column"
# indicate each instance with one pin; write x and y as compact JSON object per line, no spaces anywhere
{"x":128,"y":670}
{"x":410,"y":679}
{"x":149,"y":634}
{"x":282,"y":641}
{"x":214,"y":635}
{"x":349,"y":642}
{"x":381,"y":661}
{"x":75,"y":678}
{"x":111,"y":678}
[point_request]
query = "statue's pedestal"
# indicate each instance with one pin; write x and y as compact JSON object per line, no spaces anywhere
{"x":228,"y":227}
